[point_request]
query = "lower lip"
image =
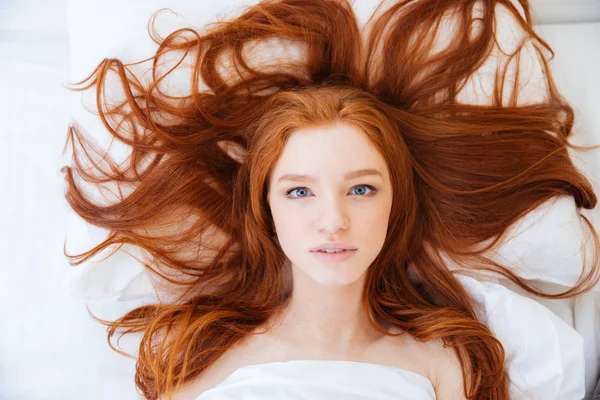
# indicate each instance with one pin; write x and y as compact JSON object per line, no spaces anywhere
{"x":333,"y":257}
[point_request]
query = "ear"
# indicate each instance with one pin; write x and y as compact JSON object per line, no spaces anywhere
{"x":233,"y":150}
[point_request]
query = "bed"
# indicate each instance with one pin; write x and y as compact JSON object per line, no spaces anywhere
{"x":51,"y":348}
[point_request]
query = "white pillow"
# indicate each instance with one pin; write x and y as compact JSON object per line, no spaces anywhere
{"x":544,"y":355}
{"x":121,"y":276}
{"x":545,"y":245}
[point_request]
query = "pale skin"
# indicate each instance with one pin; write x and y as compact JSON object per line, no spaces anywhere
{"x":324,"y":319}
{"x":326,"y":298}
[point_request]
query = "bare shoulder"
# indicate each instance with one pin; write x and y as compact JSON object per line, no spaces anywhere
{"x":209,"y":378}
{"x":245,"y":352}
{"x":437,"y":363}
{"x":196,"y":387}
{"x":445,"y":371}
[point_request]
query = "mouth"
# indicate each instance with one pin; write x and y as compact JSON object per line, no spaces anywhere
{"x":333,"y":252}
{"x":334,"y":256}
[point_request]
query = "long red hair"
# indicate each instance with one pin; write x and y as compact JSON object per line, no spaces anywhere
{"x":197,"y":176}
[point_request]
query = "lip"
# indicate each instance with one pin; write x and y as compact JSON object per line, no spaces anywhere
{"x":333,"y":257}
{"x":334,"y":245}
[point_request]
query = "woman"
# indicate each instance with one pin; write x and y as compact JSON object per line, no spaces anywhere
{"x":362,"y":145}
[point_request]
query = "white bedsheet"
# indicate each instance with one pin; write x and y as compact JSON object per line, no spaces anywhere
{"x":50,"y":347}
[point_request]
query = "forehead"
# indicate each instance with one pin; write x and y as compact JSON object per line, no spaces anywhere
{"x":331,"y":149}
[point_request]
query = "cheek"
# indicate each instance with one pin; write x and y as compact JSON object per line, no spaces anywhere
{"x":374,"y":226}
{"x":287,"y":223}
{"x":289,"y":231}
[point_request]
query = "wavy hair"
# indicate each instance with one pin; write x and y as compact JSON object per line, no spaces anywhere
{"x":199,"y":165}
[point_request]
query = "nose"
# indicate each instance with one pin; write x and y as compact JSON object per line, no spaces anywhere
{"x":333,"y":218}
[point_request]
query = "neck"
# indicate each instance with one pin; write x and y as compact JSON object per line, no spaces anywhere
{"x":324,"y":319}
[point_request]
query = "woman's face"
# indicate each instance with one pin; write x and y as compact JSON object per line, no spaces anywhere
{"x":327,"y":206}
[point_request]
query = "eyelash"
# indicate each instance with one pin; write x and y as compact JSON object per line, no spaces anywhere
{"x":373,"y":191}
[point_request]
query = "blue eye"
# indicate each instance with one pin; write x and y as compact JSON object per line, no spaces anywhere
{"x":373,"y":191}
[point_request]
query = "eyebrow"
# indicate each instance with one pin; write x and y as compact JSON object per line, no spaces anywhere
{"x":347,"y":176}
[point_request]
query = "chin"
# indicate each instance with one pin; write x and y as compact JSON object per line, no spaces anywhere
{"x":335,"y":275}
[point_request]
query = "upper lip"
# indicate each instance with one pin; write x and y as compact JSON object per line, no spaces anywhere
{"x":335,"y":245}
